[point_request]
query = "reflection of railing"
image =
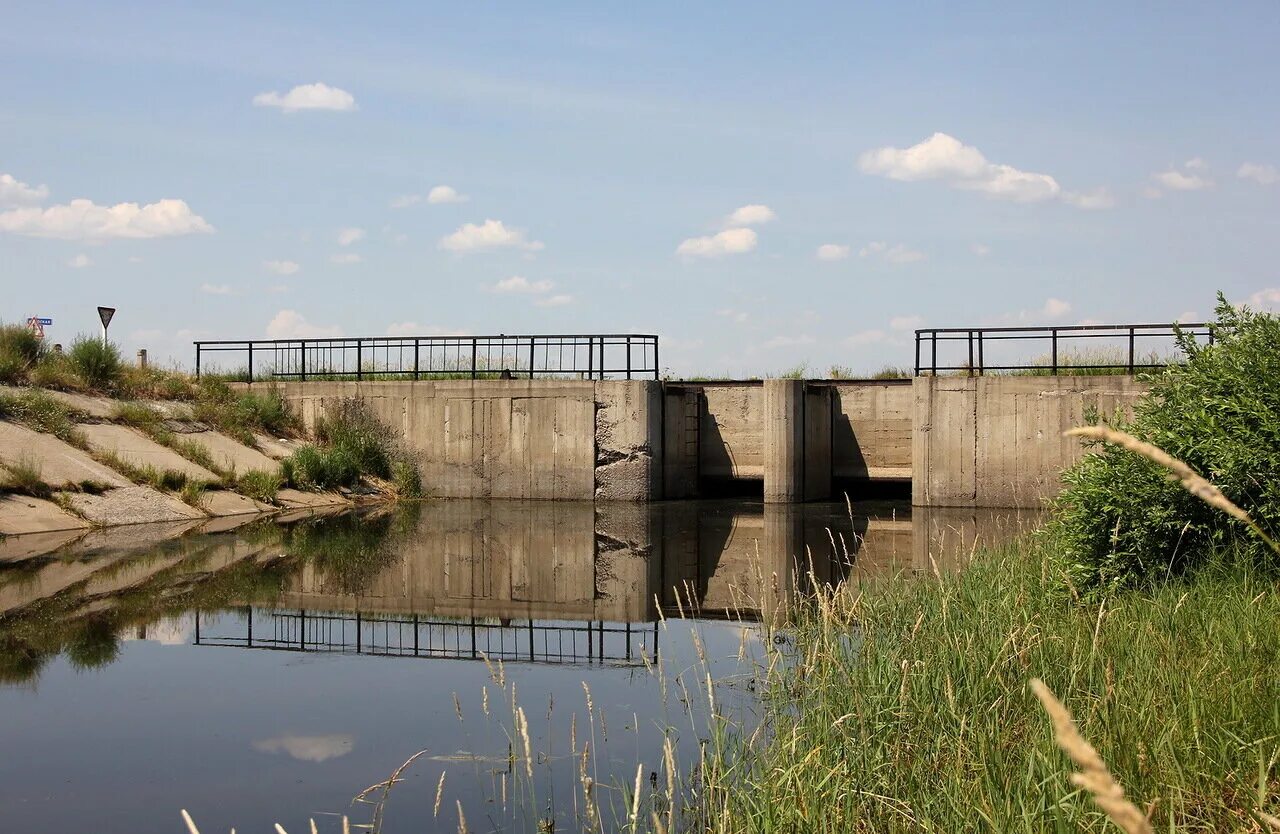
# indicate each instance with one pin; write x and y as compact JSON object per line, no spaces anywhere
{"x":1124,"y":339}
{"x":415,"y":636}
{"x":587,"y":356}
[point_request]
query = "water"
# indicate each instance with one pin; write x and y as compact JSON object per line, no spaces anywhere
{"x":269,"y":673}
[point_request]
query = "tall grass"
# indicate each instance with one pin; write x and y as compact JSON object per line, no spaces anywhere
{"x":96,"y":363}
{"x":905,"y":707}
{"x":356,"y":444}
{"x":20,"y":351}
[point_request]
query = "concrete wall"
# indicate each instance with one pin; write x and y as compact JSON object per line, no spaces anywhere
{"x":997,"y":441}
{"x":543,"y":439}
{"x":871,"y":430}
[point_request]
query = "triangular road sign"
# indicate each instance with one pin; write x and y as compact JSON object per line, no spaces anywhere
{"x":105,"y":313}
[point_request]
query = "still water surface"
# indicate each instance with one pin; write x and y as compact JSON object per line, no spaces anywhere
{"x":269,"y":673}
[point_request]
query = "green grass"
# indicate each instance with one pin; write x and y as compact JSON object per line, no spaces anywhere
{"x":355,"y":444}
{"x":906,"y":708}
{"x":23,"y":476}
{"x":95,"y":363}
{"x":38,"y":411}
{"x":242,"y":414}
{"x":261,"y":486}
{"x":20,"y":352}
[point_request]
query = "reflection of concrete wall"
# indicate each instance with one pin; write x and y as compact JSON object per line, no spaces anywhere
{"x":945,"y":538}
{"x":518,"y":438}
{"x":997,"y":441}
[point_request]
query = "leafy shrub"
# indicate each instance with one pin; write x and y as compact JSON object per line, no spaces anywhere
{"x":1122,"y":523}
{"x":241,"y":414}
{"x":54,"y":370}
{"x":97,"y":364}
{"x":356,"y":444}
{"x":20,"y":351}
{"x":260,"y":485}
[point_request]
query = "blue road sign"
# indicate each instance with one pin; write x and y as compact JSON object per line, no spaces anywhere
{"x":45,"y":322}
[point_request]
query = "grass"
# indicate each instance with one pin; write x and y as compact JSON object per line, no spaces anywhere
{"x":96,"y":363}
{"x":356,"y":444}
{"x":240,"y":415}
{"x":23,"y":476}
{"x":40,"y":412}
{"x":905,"y":707}
{"x":20,"y":351}
{"x":260,"y":486}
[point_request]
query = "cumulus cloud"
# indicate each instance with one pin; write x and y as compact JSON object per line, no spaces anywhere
{"x":751,"y":215}
{"x":728,"y":242}
{"x":1258,"y":172}
{"x":832,"y":252}
{"x":980,"y":249}
{"x":1268,"y":299}
{"x":905,"y":323}
{"x":406,"y":200}
{"x":554,"y":301}
{"x":1055,"y":308}
{"x":404,"y":328}
{"x":350,"y":235}
{"x":787,"y":341}
{"x":739,"y":316}
{"x":308,"y":748}
{"x":1180,"y":181}
{"x":345,"y":258}
{"x":491,"y":234}
{"x":316,"y":96}
{"x":1098,"y":198}
{"x":85,"y":220}
{"x":290,"y":324}
{"x":80,"y":261}
{"x":281,"y":267}
{"x":215,"y":289}
{"x":445,"y":194}
{"x":943,"y":157}
{"x":864,"y":337}
{"x":15,"y":194}
{"x":520,"y":284}
{"x":896,"y":254}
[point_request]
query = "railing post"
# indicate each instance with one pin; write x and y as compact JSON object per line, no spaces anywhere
{"x":917,"y":353}
{"x":533,"y":340}
{"x":591,"y":358}
{"x":359,"y":359}
{"x":1055,"y":351}
{"x":415,"y":359}
{"x":1131,"y":340}
{"x":302,"y":363}
{"x":982,"y":364}
{"x":657,"y":369}
{"x":474,"y":349}
{"x":934,"y":360}
{"x":251,"y":363}
{"x":970,"y":353}
{"x":197,"y":360}
{"x":628,"y":357}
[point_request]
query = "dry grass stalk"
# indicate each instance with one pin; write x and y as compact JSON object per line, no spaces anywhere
{"x":435,"y":810}
{"x":1094,"y":775}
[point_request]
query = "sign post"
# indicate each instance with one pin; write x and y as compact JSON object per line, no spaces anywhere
{"x":105,"y":314}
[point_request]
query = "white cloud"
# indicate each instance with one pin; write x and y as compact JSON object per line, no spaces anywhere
{"x":1055,"y":308}
{"x":905,"y":323}
{"x":406,"y":200}
{"x":554,"y":301}
{"x":728,"y":242}
{"x":80,"y":261}
{"x":84,"y":220}
{"x":980,"y":249}
{"x":308,"y":748}
{"x":1268,"y":299}
{"x":281,"y":267}
{"x":492,"y":234}
{"x":1098,"y":198}
{"x":1190,"y":315}
{"x":404,"y":328}
{"x":520,"y":284}
{"x":739,"y":316}
{"x":345,"y":258}
{"x":290,"y":324}
{"x":1152,"y":193}
{"x":832,"y":252}
{"x":1259,"y":173}
{"x":865,"y":337}
{"x":1179,"y":181}
{"x":316,"y":96}
{"x":215,"y":289}
{"x":445,"y":194}
{"x":751,"y":215}
{"x":787,"y":341}
{"x":1195,"y":163}
{"x":14,"y":193}
{"x":896,"y":254}
{"x":943,"y":157}
{"x":350,"y":235}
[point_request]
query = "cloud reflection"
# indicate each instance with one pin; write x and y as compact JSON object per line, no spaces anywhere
{"x":308,"y":748}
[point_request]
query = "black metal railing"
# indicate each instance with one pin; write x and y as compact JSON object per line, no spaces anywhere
{"x":399,"y":635}
{"x":1086,"y":348}
{"x":587,"y":356}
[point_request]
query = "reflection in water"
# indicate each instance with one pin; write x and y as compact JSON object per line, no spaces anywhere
{"x":520,"y":581}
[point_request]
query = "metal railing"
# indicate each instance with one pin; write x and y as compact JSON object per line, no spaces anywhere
{"x":1115,"y":347}
{"x":586,"y":356}
{"x":397,"y":635}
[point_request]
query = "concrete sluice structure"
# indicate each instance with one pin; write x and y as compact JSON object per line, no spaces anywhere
{"x":562,"y":582}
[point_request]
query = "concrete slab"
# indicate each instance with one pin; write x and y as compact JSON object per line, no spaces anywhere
{"x":17,"y":548}
{"x":99,"y":407}
{"x":229,"y":454}
{"x":20,"y":514}
{"x":297,"y":499}
{"x":277,"y":448}
{"x":60,"y":464}
{"x":131,"y":539}
{"x":134,"y":447}
{"x":220,"y":502}
{"x":171,"y":409}
{"x":131,"y":505}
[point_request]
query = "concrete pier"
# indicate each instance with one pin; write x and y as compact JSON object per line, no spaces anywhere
{"x":783,"y":441}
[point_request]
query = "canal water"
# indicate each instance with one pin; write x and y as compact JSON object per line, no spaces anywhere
{"x":271,"y":672}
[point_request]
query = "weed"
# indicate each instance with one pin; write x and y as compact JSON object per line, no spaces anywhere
{"x":192,"y":493}
{"x":259,"y":485}
{"x":39,"y":411}
{"x":20,"y":351}
{"x":24,"y":477}
{"x":96,"y":363}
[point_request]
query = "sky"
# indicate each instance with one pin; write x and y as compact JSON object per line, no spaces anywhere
{"x":763,"y":185}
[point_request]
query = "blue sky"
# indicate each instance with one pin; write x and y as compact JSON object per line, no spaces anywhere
{"x":957,"y":167}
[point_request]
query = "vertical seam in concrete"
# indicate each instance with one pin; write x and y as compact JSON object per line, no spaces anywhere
{"x":973,"y":496}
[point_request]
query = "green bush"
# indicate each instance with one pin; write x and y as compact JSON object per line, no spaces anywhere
{"x":240,"y":415}
{"x":20,"y":351}
{"x":54,"y":370}
{"x":350,"y":425}
{"x":97,"y":364}
{"x":1123,"y":523}
{"x":260,"y":485}
{"x":356,"y":444}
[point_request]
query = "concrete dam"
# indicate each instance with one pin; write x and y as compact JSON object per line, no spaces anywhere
{"x":958,"y":441}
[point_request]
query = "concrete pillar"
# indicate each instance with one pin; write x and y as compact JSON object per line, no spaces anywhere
{"x":818,"y":408}
{"x":783,"y":440}
{"x":142,"y":358}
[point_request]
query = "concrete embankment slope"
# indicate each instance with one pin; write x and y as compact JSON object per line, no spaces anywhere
{"x":98,"y":478}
